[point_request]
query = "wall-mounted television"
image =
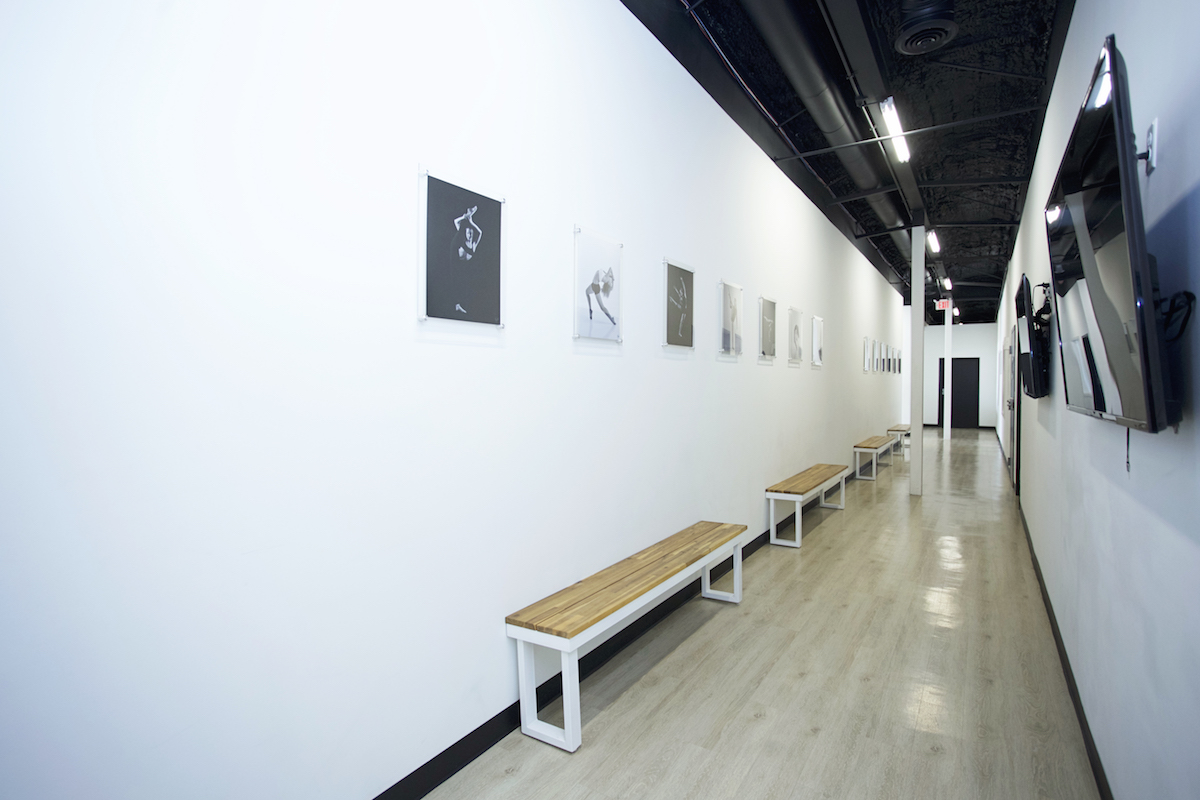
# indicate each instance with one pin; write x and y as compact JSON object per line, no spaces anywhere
{"x":1105,"y":286}
{"x":1033,"y":341}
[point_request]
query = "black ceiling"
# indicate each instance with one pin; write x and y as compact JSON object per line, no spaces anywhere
{"x":805,"y":81}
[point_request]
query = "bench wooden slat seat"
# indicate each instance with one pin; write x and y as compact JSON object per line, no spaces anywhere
{"x":599,"y":605}
{"x":802,"y":487}
{"x":875,"y":447}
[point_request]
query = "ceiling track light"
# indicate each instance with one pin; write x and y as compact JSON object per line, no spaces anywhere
{"x":931,"y":238}
{"x":888,"y":107}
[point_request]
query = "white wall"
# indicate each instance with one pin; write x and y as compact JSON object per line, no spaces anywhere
{"x":968,"y":341}
{"x":1120,"y":551}
{"x":260,"y":525}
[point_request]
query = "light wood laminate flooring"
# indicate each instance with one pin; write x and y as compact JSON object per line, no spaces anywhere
{"x":902,"y":652}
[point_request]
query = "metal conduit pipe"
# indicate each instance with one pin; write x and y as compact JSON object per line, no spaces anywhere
{"x":793,"y":48}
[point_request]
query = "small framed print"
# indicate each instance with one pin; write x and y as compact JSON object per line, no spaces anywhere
{"x":795,"y":338}
{"x":866,"y":354}
{"x":597,"y":286}
{"x":766,"y":327}
{"x":462,"y":253}
{"x":731,"y":319}
{"x":818,"y":343}
{"x":679,"y":283}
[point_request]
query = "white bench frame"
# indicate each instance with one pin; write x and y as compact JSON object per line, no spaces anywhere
{"x":875,"y":452}
{"x":801,"y":499}
{"x":903,"y":439}
{"x":570,"y":736}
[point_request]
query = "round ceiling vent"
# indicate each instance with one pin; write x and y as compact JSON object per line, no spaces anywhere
{"x":925,"y":26}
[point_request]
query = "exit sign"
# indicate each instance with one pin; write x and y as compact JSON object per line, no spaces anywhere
{"x":943,"y":305}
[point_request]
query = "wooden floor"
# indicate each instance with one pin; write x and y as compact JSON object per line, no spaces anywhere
{"x":902,"y":652}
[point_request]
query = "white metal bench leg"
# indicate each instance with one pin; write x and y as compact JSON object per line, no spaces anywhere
{"x":567,"y":737}
{"x":572,"y":721}
{"x":735,"y":596}
{"x":841,"y":504}
{"x":874,"y":465}
{"x":774,"y":539}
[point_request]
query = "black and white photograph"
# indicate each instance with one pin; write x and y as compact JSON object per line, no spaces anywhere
{"x":795,"y":338}
{"x":680,"y":302}
{"x":818,"y":344}
{"x":731,"y":319}
{"x":766,"y":327}
{"x":462,"y":254}
{"x":875,"y":356}
{"x":866,"y":354}
{"x":597,"y":286}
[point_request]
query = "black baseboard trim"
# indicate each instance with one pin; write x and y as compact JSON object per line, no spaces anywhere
{"x":1088,"y":742}
{"x":433,"y":773}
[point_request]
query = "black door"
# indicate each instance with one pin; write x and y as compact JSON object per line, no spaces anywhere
{"x":964,"y":397}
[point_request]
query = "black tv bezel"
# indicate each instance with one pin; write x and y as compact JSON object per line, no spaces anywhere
{"x":1161,"y":410}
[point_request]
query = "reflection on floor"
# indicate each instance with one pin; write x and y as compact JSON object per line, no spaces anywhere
{"x":902,"y":652}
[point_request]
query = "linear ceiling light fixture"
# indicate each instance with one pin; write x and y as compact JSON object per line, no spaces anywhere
{"x":947,"y":283}
{"x":892,"y":119}
{"x":931,"y":239}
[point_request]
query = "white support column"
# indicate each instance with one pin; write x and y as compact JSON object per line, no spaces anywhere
{"x":949,"y":358}
{"x":916,"y":361}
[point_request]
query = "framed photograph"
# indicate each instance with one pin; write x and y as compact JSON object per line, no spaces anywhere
{"x":795,"y":338}
{"x":462,"y":253}
{"x":680,"y":302}
{"x":818,"y":343}
{"x":866,"y":354}
{"x":891,"y":359}
{"x":876,"y":360}
{"x":731,"y":319}
{"x":597,"y":287}
{"x":766,"y":327}
{"x":899,"y":360}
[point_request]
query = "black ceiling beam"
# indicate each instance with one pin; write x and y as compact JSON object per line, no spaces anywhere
{"x":846,"y":198}
{"x":970,"y":182}
{"x":988,"y":224}
{"x":1000,"y":73}
{"x":914,"y":132}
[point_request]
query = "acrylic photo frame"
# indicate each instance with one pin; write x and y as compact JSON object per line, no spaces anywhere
{"x":866,"y":354}
{"x":732,"y":318}
{"x":766,"y":328}
{"x":795,"y":335}
{"x":461,"y":253}
{"x":818,"y":341}
{"x":596,"y":299}
{"x":679,"y":304}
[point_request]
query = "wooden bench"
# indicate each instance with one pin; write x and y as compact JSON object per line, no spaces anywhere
{"x":876,"y":446}
{"x":599,"y":606}
{"x":902,"y":432}
{"x":804,"y":486}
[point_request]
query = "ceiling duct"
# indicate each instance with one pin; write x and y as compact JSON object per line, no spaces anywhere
{"x":793,"y":47}
{"x":925,"y":25}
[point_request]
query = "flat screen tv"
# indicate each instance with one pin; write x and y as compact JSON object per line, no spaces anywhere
{"x":1105,"y":286}
{"x":1033,"y":342}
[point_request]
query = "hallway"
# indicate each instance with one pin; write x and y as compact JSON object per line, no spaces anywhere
{"x":902,"y":652}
